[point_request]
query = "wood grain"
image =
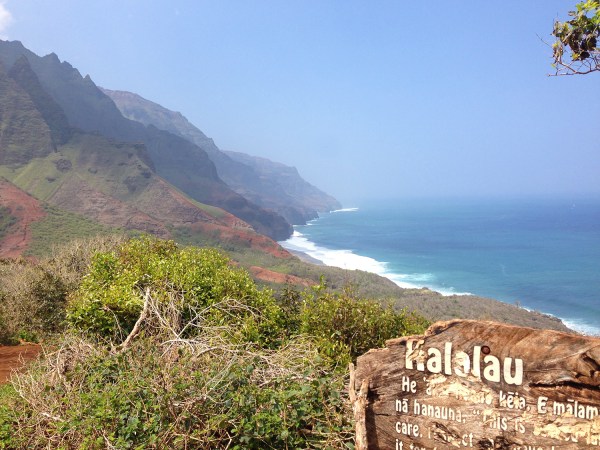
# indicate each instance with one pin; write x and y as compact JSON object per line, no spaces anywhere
{"x":553,"y":405}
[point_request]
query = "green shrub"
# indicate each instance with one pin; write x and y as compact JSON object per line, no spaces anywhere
{"x":110,"y":297}
{"x":168,"y":392}
{"x":199,"y":357}
{"x":32,"y":302}
{"x":347,"y":327}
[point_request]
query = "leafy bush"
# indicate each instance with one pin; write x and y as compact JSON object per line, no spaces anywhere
{"x":32,"y":302}
{"x":166,"y":391}
{"x":347,"y":326}
{"x":110,"y":297}
{"x":199,"y":357}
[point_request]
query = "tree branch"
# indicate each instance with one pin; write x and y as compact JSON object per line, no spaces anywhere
{"x":138,"y":324}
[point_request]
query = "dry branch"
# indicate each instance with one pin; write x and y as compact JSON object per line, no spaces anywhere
{"x":138,"y":324}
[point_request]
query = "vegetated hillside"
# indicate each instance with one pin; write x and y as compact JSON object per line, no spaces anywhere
{"x":177,"y":160}
{"x":107,"y":182}
{"x":28,"y":227}
{"x":268,"y":184}
{"x":19,"y":211}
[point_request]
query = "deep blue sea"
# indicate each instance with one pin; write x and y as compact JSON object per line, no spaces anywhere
{"x":542,"y":253}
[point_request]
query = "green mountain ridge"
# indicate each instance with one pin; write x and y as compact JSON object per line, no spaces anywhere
{"x":266,"y":183}
{"x":108,"y":182}
{"x":51,"y":112}
{"x":177,"y":160}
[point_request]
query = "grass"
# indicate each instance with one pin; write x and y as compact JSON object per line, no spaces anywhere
{"x":6,"y":221}
{"x":59,"y":227}
{"x":40,"y":177}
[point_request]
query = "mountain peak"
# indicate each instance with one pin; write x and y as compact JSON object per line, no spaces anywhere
{"x":52,"y":57}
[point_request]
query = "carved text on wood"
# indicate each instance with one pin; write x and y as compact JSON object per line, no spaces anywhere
{"x":483,"y":385}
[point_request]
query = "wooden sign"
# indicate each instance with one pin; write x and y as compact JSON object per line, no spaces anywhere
{"x":480,"y":385}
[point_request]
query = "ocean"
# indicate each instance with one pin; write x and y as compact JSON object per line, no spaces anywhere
{"x":543,"y":254}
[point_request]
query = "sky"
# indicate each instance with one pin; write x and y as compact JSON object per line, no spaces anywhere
{"x":368,"y":99}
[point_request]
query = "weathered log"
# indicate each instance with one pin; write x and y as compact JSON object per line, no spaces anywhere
{"x":483,"y":385}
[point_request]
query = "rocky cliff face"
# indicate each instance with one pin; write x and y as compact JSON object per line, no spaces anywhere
{"x":24,"y":133}
{"x":281,"y":181}
{"x":172,"y":157}
{"x":266,"y":183}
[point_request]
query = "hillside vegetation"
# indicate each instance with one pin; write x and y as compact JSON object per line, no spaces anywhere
{"x":45,"y":99}
{"x":266,"y":183}
{"x":7,"y":220}
{"x":151,"y":345}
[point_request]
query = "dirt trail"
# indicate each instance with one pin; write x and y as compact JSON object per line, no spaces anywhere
{"x":27,"y":210}
{"x":13,"y":357}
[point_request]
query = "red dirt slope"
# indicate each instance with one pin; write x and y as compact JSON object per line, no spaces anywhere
{"x":14,"y":357}
{"x":27,"y":210}
{"x":280,"y":278}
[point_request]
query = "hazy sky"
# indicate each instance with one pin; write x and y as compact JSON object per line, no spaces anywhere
{"x":366,"y":98}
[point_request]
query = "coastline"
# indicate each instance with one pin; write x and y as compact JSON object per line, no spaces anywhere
{"x":310,"y":252}
{"x":304,"y":256}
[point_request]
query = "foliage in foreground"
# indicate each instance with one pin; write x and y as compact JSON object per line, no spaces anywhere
{"x":576,"y":49}
{"x":177,"y":348}
{"x":165,"y":391}
{"x":110,"y":297}
{"x":33,"y":297}
{"x":346,"y":326}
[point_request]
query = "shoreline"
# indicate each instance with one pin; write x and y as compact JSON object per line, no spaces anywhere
{"x":310,"y":252}
{"x":305,"y":256}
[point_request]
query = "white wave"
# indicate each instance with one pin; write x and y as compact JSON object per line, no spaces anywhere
{"x":346,"y":259}
{"x":582,"y":327}
{"x":449,"y":292}
{"x":344,"y":210}
{"x":577,"y":325}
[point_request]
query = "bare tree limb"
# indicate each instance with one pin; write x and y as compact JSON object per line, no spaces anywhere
{"x":138,"y":324}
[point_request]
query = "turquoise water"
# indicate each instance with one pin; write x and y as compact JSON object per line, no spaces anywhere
{"x":542,"y":253}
